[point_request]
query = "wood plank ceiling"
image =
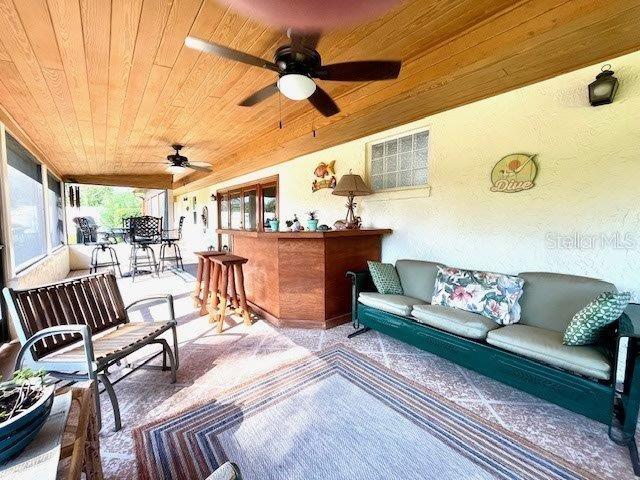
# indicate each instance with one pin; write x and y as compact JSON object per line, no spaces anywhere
{"x":99,"y":89}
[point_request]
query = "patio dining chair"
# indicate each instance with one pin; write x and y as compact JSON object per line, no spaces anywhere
{"x":91,"y":236}
{"x":143,"y":233}
{"x":170,"y":239}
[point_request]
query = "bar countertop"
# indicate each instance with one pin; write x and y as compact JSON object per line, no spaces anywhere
{"x":307,"y":234}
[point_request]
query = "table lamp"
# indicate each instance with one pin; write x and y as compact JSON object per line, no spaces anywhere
{"x":350,"y":186}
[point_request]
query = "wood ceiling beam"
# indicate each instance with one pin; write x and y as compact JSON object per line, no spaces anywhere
{"x":160,"y":182}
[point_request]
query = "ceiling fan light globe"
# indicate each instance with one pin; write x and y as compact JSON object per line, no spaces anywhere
{"x":296,"y":86}
{"x":175,"y":169}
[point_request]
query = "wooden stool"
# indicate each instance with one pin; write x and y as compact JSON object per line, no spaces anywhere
{"x":201,"y":293}
{"x":227,"y":280}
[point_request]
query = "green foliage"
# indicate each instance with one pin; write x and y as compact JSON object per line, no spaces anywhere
{"x":114,"y":204}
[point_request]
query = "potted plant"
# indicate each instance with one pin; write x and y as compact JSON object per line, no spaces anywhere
{"x":312,"y":222}
{"x":274,"y":224}
{"x":25,"y":404}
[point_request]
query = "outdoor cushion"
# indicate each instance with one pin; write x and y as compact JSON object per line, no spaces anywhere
{"x":550,"y":300}
{"x":587,"y":325}
{"x":385,"y":278}
{"x":418,"y":278}
{"x":396,"y":304}
{"x":546,"y":346}
{"x":453,"y":320}
{"x":493,"y":295}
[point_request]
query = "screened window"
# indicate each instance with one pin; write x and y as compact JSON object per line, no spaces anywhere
{"x":55,"y":211}
{"x":400,"y":162}
{"x":26,"y":210}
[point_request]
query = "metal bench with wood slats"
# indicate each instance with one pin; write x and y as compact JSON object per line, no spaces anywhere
{"x":76,"y":329}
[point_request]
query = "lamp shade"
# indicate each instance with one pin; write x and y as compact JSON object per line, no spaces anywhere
{"x":351,"y":185}
{"x":296,"y":86}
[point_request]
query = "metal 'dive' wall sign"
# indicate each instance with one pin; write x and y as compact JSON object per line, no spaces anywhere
{"x":514,"y":173}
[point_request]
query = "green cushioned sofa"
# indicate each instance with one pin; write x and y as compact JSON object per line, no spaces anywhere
{"x":528,"y":355}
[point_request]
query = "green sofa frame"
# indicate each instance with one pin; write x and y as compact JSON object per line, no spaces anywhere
{"x":613,"y":403}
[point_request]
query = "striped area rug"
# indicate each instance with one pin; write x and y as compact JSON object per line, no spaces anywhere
{"x":338,"y":414}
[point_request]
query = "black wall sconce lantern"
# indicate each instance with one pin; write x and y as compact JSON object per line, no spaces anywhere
{"x":603,"y":88}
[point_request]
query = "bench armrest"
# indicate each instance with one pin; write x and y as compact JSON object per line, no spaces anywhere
{"x":83,"y":330}
{"x":166,"y":298}
{"x":629,"y":322}
{"x":360,"y":282}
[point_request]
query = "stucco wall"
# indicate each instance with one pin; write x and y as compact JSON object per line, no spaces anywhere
{"x":585,"y":198}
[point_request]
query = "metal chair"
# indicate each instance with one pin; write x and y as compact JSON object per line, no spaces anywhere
{"x":144,"y":232}
{"x":90,"y":234}
{"x":170,"y":239}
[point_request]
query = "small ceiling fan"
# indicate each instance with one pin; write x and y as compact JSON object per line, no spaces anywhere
{"x":297,"y":65}
{"x":177,"y":163}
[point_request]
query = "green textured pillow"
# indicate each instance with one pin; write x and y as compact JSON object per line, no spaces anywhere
{"x":586,"y":325}
{"x":385,"y":278}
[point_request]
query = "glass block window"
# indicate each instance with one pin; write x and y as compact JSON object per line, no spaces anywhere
{"x":400,"y":162}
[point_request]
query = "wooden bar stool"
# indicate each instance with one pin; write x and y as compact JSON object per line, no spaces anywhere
{"x":203,"y":279}
{"x":227,"y":280}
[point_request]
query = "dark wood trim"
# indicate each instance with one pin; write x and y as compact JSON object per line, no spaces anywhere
{"x":257,"y":185}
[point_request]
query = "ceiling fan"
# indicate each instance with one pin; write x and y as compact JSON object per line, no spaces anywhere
{"x":177,"y":163}
{"x":297,"y":65}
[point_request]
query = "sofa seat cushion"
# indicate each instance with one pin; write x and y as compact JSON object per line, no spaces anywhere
{"x":546,"y":346}
{"x":453,"y":320}
{"x":396,"y":304}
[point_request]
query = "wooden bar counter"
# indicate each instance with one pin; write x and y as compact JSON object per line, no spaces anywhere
{"x":297,"y":279}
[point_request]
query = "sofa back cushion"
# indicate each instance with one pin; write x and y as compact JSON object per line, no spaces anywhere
{"x":550,"y":300}
{"x":418,"y":278}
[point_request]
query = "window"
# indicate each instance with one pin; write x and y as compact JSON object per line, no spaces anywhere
{"x":269,"y":200}
{"x":399,"y":162}
{"x":26,"y":212}
{"x":248,"y":207}
{"x":236,"y":211}
{"x":55,"y":211}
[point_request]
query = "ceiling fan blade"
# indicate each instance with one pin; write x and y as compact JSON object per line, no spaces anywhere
{"x":230,"y":53}
{"x":323,"y":102}
{"x":200,"y":164}
{"x":302,"y":40}
{"x":196,"y":167}
{"x":259,"y":96}
{"x":364,"y":71}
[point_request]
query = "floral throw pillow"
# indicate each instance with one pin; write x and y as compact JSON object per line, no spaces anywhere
{"x":385,"y":278}
{"x":586,"y":325}
{"x":493,"y":295}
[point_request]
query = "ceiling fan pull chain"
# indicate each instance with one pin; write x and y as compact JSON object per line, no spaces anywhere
{"x":313,"y":123}
{"x":280,"y":110}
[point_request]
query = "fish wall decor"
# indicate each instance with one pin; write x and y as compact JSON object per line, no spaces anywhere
{"x":326,"y":178}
